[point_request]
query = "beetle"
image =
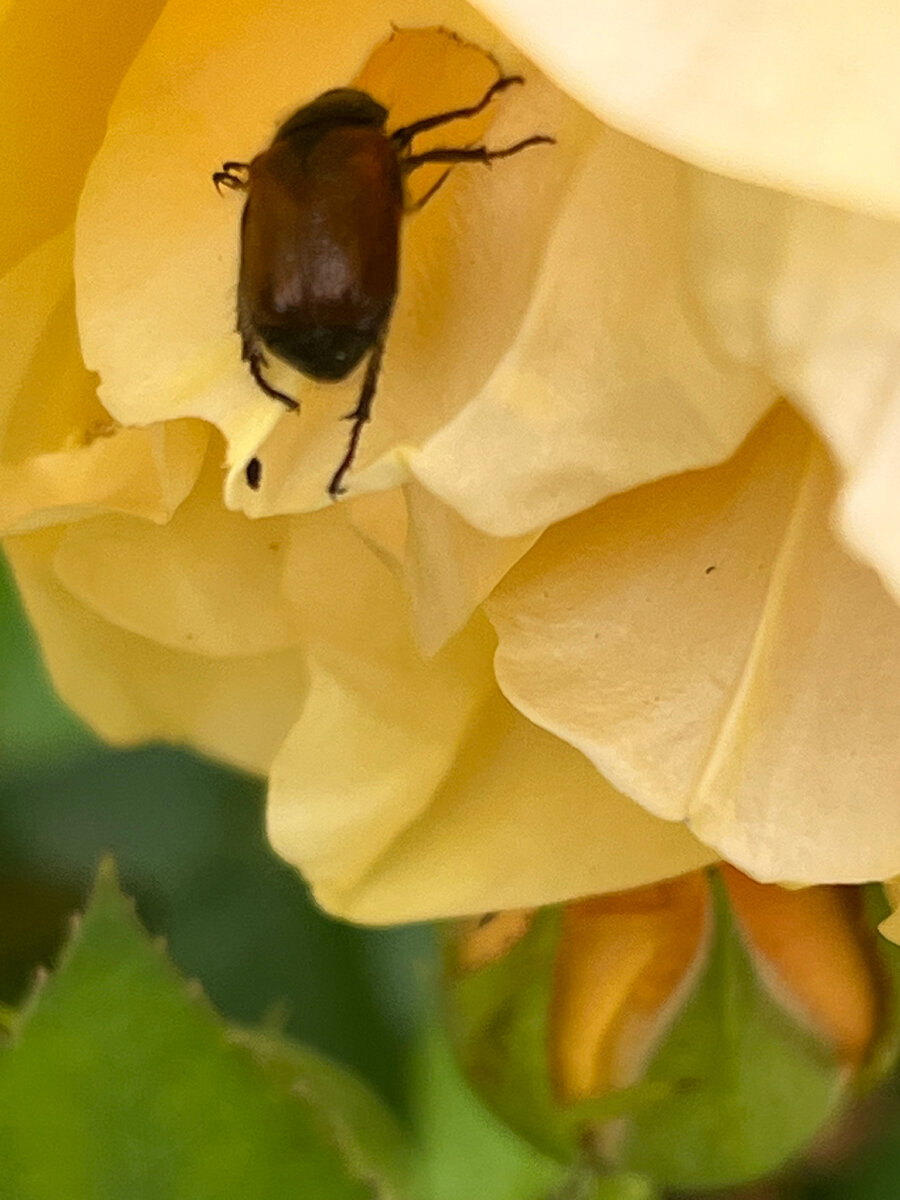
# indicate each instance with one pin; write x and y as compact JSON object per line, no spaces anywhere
{"x":320,"y":240}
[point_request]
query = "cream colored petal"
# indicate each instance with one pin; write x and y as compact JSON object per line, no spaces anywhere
{"x":131,"y":689}
{"x":157,"y":248}
{"x":890,"y":926}
{"x":207,"y":583}
{"x":605,"y":386}
{"x":380,"y":729}
{"x":381,"y":520}
{"x":61,"y":456}
{"x":450,"y":567}
{"x":348,"y":594}
{"x":801,"y":96}
{"x":60,"y":64}
{"x":522,"y":819}
{"x":381,"y":725}
{"x":715,"y":653}
{"x":812,"y":295}
{"x":612,"y":381}
{"x":214,"y":583}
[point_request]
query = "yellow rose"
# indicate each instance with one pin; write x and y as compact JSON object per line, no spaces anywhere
{"x":581,"y":335}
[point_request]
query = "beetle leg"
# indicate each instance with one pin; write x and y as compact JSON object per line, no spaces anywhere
{"x":257,"y":361}
{"x":423,"y":200}
{"x":229,"y":177}
{"x":253,"y":354}
{"x":359,"y":417}
{"x":402,"y":137}
{"x":479,"y":154}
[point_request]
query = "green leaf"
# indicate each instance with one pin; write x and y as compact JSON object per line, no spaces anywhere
{"x":118,"y":1081}
{"x":464,"y":1151}
{"x":367,"y":1134}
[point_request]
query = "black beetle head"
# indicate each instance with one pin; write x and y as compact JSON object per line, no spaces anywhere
{"x":340,"y":106}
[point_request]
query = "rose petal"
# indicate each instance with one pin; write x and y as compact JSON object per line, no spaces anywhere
{"x":381,"y":727}
{"x":521,"y":819}
{"x":208,"y":582}
{"x":157,"y":280}
{"x":131,"y":689}
{"x":380,"y":518}
{"x":60,"y":64}
{"x":607,"y":317}
{"x":812,"y":294}
{"x":611,"y":381}
{"x":61,"y":456}
{"x":799,"y":96}
{"x":709,"y":646}
{"x":890,"y":926}
{"x":450,"y":567}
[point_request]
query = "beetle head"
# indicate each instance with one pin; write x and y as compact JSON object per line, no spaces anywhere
{"x":340,"y":106}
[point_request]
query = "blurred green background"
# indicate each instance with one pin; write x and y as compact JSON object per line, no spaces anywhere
{"x":188,"y":839}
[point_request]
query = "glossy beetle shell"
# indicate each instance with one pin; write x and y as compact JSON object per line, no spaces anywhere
{"x":320,"y":236}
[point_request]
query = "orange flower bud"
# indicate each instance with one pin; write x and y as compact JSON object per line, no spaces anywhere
{"x":636,"y":1028}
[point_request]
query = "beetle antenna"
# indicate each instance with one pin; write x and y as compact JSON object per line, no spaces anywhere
{"x":402,"y":137}
{"x":359,"y":417}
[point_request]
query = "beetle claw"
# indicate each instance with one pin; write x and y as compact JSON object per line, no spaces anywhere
{"x":229,"y":177}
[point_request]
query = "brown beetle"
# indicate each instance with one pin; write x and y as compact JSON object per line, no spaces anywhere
{"x":320,"y":239}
